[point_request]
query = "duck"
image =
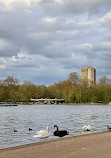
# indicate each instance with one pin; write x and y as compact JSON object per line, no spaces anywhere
{"x":42,"y":134}
{"x":15,"y":130}
{"x":86,"y":128}
{"x":30,"y":129}
{"x":108,"y":128}
{"x":60,"y":133}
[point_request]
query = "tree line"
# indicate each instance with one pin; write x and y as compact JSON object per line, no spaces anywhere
{"x":72,"y":90}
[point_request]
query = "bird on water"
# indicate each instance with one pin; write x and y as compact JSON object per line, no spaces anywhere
{"x":108,"y":128}
{"x":42,"y":134}
{"x":60,"y":133}
{"x":15,"y":130}
{"x":30,"y":129}
{"x":86,"y":128}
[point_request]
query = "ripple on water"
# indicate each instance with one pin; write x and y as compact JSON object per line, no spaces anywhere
{"x":37,"y":117}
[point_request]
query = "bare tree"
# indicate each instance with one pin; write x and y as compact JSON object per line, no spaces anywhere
{"x":103,"y":80}
{"x":11,"y":81}
{"x":73,"y":77}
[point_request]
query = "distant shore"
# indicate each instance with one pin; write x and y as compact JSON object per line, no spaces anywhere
{"x":31,"y":103}
{"x":96,"y":145}
{"x":63,"y":104}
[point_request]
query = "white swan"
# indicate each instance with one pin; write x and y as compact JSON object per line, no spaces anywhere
{"x":42,"y":134}
{"x":86,"y":128}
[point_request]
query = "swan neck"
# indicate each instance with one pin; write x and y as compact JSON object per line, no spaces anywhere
{"x":47,"y":129}
{"x":57,"y":129}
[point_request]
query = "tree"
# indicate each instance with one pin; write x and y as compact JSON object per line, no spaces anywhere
{"x":10,"y":81}
{"x":103,"y":81}
{"x":73,"y":78}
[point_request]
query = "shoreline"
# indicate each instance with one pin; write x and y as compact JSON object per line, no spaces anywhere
{"x":32,"y":103}
{"x":67,"y":104}
{"x":50,"y":140}
{"x":87,"y":145}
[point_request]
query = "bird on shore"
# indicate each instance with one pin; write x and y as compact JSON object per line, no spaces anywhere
{"x":30,"y":129}
{"x":86,"y":128}
{"x":61,"y":133}
{"x":15,"y":130}
{"x":42,"y":134}
{"x":108,"y":128}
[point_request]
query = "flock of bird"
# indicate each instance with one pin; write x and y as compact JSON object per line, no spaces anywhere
{"x":43,"y":134}
{"x":30,"y":129}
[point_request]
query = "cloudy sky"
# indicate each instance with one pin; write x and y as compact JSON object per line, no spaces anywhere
{"x":42,"y":41}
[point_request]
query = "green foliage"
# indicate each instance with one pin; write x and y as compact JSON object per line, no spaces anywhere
{"x":11,"y":90}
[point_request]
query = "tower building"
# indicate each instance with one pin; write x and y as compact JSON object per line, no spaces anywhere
{"x":88,"y":75}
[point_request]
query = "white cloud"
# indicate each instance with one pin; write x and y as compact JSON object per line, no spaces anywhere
{"x":106,"y":18}
{"x":58,"y":1}
{"x":50,"y":20}
{"x":2,"y":66}
{"x":14,"y":58}
{"x":22,"y":2}
{"x":22,"y":54}
{"x":37,"y":36}
{"x":86,"y":45}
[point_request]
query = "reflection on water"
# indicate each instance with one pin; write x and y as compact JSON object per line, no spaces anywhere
{"x":37,"y":117}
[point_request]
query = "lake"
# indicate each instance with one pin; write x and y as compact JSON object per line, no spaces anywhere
{"x":68,"y":117}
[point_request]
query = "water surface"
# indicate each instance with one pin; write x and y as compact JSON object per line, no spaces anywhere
{"x":37,"y":117}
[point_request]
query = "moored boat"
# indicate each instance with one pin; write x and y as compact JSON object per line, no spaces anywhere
{"x":8,"y":104}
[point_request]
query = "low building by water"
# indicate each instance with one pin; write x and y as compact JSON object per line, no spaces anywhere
{"x":48,"y":101}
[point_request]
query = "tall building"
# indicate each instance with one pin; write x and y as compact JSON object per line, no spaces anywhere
{"x":88,"y":75}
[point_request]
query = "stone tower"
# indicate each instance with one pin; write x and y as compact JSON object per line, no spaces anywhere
{"x":88,"y":75}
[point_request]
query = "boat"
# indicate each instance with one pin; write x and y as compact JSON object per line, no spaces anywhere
{"x":8,"y":104}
